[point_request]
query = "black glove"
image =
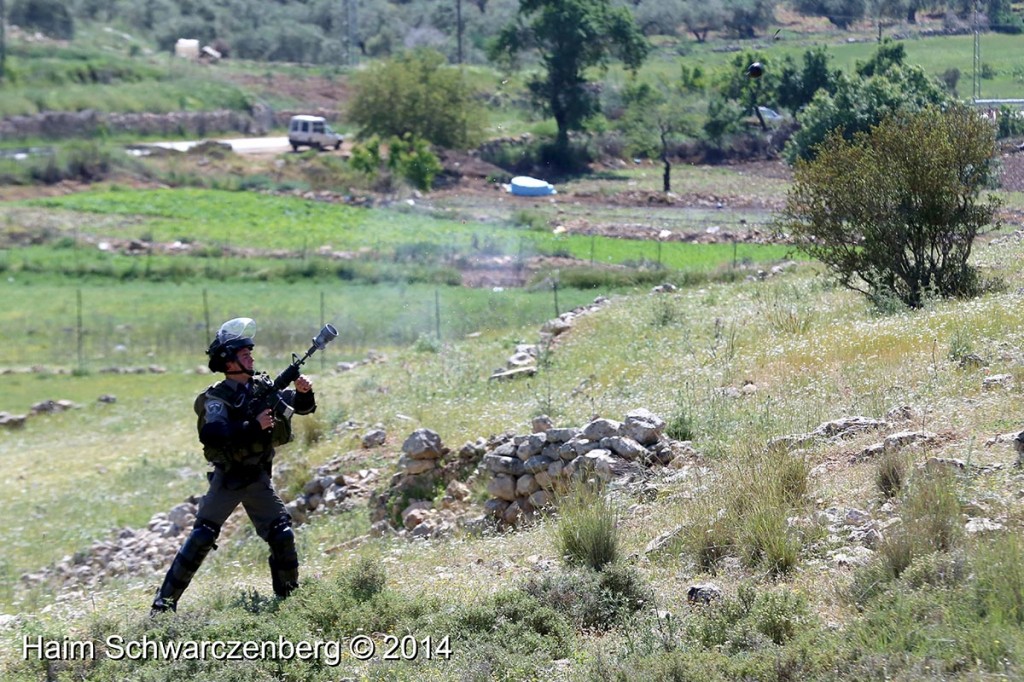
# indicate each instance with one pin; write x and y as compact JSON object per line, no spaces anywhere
{"x":286,"y":377}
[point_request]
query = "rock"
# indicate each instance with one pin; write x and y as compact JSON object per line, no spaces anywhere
{"x":577,"y":447}
{"x":381,"y":529}
{"x":557,"y":326}
{"x":502,"y":487}
{"x":496,"y":507}
{"x":459,"y":491}
{"x":997,"y":381}
{"x":415,"y":467}
{"x":852,"y":557}
{"x":643,"y":426}
{"x":537,"y":463}
{"x":541,"y":499}
{"x":334,"y":495}
{"x":939,"y":463}
{"x":533,"y":445}
{"x":541,"y":423}
{"x":526,"y":485}
{"x":598,"y":462}
{"x":182,"y":515}
{"x":624,"y":447}
{"x":703,"y":593}
{"x":12,"y":421}
{"x":562,"y":435}
{"x":415,"y":514}
{"x":297,"y":512}
{"x":424,"y":444}
{"x":512,"y":514}
{"x":107,"y":399}
{"x":503,"y":465}
{"x":502,"y":375}
{"x":902,"y":439}
{"x":982,"y":525}
{"x":846,"y":427}
{"x":519,"y":360}
{"x":601,"y":428}
{"x":374,"y":438}
{"x":856,"y":517}
{"x":544,"y":480}
{"x":659,"y":543}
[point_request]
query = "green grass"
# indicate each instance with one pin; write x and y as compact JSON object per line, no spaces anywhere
{"x":143,"y":323}
{"x":241,"y":219}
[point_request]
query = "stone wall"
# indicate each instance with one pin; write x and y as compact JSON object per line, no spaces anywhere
{"x":55,"y":125}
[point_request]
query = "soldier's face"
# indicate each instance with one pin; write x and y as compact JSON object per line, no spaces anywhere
{"x":243,"y":360}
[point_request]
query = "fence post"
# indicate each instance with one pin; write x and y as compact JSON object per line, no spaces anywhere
{"x":437,"y":313}
{"x":78,"y":331}
{"x":323,"y":322}
{"x":206,"y":316}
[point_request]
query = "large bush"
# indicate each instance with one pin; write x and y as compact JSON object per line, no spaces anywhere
{"x":417,"y":93}
{"x":51,"y":17}
{"x":852,"y":104}
{"x":894,"y":211}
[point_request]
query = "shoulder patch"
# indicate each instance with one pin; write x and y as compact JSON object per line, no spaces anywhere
{"x":215,"y":408}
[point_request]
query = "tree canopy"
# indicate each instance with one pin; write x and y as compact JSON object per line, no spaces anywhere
{"x":600,"y":32}
{"x":894,"y":211}
{"x":416,"y":93}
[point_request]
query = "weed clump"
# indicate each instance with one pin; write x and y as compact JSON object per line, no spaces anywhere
{"x":587,"y":533}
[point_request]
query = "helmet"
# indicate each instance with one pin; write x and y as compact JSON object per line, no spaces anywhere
{"x":233,"y":336}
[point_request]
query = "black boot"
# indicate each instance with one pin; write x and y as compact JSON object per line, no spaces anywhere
{"x":186,"y":562}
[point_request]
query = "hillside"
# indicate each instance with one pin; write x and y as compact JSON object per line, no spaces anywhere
{"x":614,"y":433}
{"x":817,"y":429}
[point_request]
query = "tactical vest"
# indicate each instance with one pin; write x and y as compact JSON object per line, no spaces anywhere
{"x":251,"y":453}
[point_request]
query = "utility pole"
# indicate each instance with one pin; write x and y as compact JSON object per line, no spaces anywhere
{"x":3,"y":37}
{"x":977,"y":55}
{"x":458,"y":27}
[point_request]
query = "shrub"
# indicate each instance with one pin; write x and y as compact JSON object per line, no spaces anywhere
{"x":365,"y":578}
{"x":891,"y":473}
{"x":408,"y":157}
{"x":416,"y":94}
{"x":932,"y":510}
{"x":587,"y":532}
{"x":593,"y":599}
{"x":736,"y":622}
{"x":999,"y":580}
{"x":895,"y":212}
{"x":51,"y":17}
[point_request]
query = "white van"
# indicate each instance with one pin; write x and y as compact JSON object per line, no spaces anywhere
{"x":312,"y":131}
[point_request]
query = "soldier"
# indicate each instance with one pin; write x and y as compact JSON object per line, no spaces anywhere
{"x":241,"y":448}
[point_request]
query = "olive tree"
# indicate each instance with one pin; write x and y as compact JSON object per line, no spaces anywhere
{"x":893,"y":212}
{"x":656,"y":118}
{"x":571,"y":37}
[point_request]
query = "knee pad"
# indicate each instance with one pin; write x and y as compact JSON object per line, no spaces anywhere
{"x":200,"y":541}
{"x":281,"y":539}
{"x":205,"y":532}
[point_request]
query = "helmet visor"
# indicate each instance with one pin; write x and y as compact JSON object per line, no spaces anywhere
{"x":236,"y":329}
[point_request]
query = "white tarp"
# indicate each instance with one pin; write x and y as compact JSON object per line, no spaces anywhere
{"x":525,"y":186}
